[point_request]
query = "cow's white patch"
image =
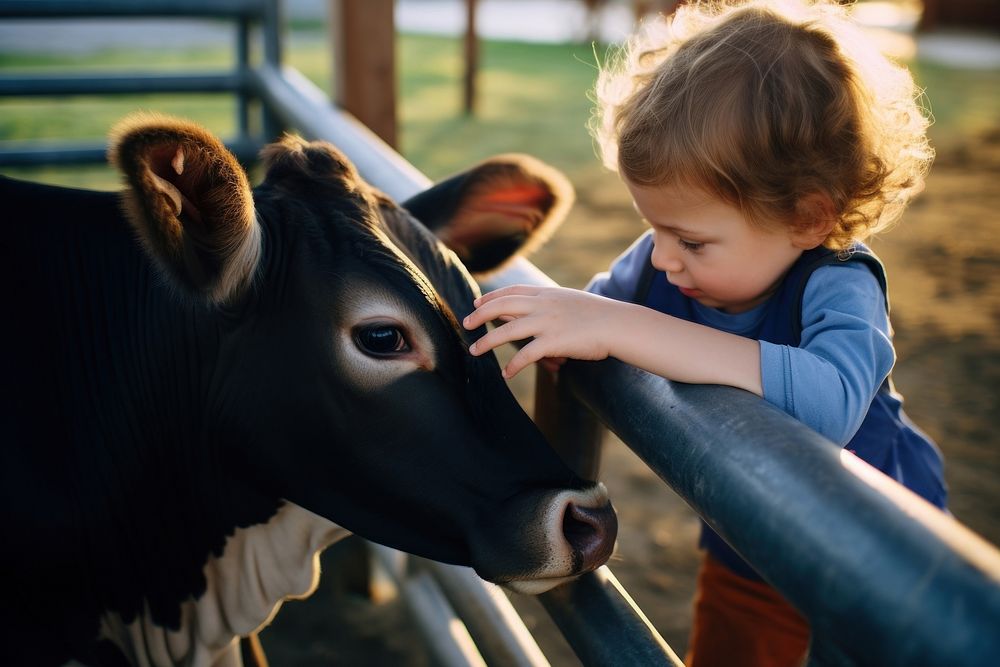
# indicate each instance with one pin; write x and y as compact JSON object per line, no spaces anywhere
{"x":260,"y":567}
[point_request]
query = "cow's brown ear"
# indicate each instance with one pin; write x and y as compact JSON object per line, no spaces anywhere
{"x":190,"y":202}
{"x":507,"y":205}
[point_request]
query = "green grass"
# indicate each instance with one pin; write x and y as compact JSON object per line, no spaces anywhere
{"x":532,"y":98}
{"x":964,"y":103}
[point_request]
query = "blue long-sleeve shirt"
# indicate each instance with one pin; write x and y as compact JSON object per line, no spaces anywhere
{"x":846,"y":351}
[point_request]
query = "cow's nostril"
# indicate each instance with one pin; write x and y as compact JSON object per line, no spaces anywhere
{"x":591,"y":532}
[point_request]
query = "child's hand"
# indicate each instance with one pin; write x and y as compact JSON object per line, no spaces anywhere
{"x":563,"y":322}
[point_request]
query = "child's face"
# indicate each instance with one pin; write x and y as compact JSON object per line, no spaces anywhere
{"x":709,"y":250}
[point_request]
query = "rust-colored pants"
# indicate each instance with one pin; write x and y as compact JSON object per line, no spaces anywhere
{"x":743,"y":623}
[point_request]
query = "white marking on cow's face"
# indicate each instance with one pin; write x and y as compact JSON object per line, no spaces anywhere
{"x":260,"y":567}
{"x":380,"y":337}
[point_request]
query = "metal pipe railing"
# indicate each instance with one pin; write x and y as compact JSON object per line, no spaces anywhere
{"x":31,"y":153}
{"x":603,"y":624}
{"x":25,"y":9}
{"x":120,"y":84}
{"x":302,"y":106}
{"x":880,"y":574}
{"x":243,"y":13}
{"x":493,"y":623}
{"x":884,"y":578}
{"x":243,"y":27}
{"x":448,"y":638}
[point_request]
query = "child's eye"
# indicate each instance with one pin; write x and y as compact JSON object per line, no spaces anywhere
{"x":690,"y":246}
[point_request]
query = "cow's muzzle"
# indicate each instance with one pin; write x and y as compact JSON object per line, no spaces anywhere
{"x":558,"y":535}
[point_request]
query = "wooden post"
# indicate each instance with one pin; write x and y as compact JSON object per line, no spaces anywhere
{"x":979,"y":14}
{"x":364,"y":63}
{"x":471,"y":58}
{"x":571,"y":429}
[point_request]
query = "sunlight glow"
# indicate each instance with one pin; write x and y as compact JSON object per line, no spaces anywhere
{"x":974,"y":548}
{"x":891,"y":25}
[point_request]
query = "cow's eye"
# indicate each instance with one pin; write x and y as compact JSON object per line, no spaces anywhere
{"x":381,"y":340}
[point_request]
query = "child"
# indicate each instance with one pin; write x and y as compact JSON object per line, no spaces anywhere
{"x":762,"y":143}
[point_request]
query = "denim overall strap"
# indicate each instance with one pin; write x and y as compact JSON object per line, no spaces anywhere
{"x":886,"y":439}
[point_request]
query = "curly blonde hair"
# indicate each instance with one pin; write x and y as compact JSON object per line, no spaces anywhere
{"x":766,"y":104}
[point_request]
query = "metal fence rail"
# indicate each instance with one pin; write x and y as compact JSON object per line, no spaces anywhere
{"x":245,"y":15}
{"x":884,"y":579}
{"x":144,"y":8}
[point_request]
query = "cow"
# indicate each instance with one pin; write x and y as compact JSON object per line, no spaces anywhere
{"x":204,"y":385}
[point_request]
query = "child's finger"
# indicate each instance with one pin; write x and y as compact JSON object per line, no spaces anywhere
{"x":527,"y":355}
{"x":474,"y":320}
{"x":501,"y":308}
{"x":505,"y":333}
{"x":510,"y":290}
{"x":480,"y":316}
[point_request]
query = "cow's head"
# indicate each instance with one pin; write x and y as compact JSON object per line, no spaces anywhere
{"x":342,"y":380}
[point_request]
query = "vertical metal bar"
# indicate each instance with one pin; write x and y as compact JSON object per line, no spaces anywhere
{"x":271,"y":35}
{"x":243,"y":71}
{"x":271,"y":32}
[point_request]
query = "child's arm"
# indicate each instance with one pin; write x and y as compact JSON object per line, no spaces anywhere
{"x":570,"y":323}
{"x":845,"y":353}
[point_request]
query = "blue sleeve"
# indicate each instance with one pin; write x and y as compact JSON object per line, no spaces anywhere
{"x":846,"y":352}
{"x":621,"y":280}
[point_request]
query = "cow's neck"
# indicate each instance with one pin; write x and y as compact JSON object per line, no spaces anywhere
{"x":170,"y":496}
{"x":136,"y":486}
{"x":259,"y":568}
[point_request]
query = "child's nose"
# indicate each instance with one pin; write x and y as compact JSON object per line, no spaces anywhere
{"x":665,"y":260}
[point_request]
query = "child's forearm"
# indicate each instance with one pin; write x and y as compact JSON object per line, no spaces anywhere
{"x":685,"y":351}
{"x":563,"y":322}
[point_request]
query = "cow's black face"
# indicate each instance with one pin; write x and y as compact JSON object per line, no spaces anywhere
{"x":343,"y":382}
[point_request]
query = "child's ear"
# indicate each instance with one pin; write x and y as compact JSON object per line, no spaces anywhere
{"x":815,"y":218}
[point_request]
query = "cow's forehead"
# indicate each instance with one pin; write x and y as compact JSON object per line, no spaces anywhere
{"x":371,"y":234}
{"x":391,"y":264}
{"x":440,"y":266}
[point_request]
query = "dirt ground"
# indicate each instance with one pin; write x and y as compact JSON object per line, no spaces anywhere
{"x":943,"y":262}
